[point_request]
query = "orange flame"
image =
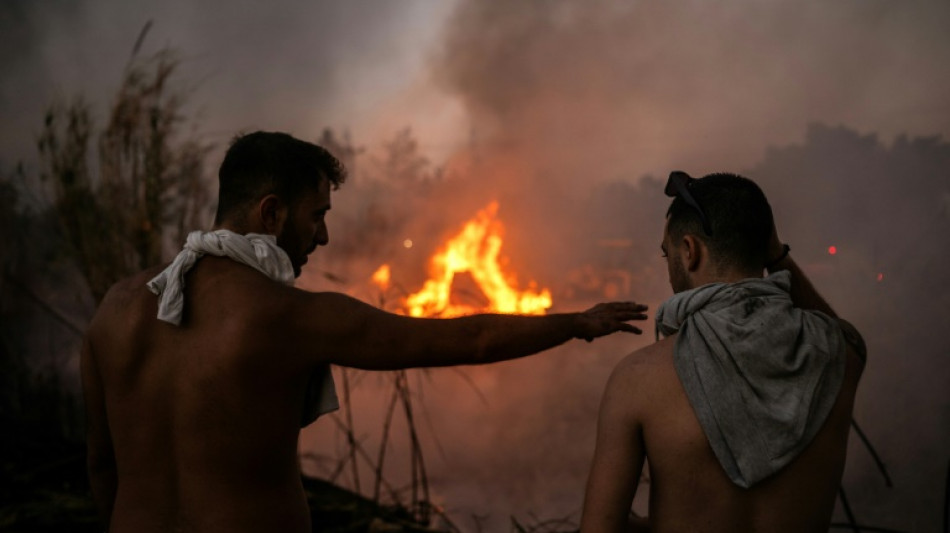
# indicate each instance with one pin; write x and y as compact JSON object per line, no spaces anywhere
{"x":474,"y":250}
{"x":382,"y":276}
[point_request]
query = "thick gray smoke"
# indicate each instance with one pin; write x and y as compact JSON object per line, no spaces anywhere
{"x":610,"y":88}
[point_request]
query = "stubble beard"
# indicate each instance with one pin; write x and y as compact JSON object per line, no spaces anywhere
{"x":678,"y":279}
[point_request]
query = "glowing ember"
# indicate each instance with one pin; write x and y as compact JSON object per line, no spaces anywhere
{"x":381,"y":277}
{"x":475,"y":251}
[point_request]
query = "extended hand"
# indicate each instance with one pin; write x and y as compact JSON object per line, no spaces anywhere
{"x":606,"y":318}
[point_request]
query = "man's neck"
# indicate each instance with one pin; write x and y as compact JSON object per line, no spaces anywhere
{"x":724,"y":276}
{"x":240,"y":229}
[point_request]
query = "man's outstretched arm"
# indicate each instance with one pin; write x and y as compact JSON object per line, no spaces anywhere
{"x":352,"y":333}
{"x":100,"y":457}
{"x":618,"y":459}
{"x":805,"y":296}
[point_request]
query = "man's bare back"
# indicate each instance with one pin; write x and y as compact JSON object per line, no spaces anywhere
{"x":738,"y":411}
{"x":204,"y":426}
{"x":689,"y":490}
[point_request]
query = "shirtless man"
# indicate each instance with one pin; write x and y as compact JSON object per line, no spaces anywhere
{"x":194,"y":426}
{"x":744,"y":426}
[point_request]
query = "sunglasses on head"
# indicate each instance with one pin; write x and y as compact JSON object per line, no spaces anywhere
{"x":678,"y":186}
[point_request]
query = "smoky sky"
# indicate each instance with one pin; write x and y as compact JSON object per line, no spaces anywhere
{"x":288,"y":66}
{"x":599,"y":88}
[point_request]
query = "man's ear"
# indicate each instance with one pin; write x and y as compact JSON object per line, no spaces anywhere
{"x":273,"y":213}
{"x":693,"y":249}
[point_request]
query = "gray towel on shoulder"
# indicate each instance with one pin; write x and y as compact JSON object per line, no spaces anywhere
{"x":760,"y":374}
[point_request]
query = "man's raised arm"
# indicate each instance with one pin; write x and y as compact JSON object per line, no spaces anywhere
{"x":805,"y":296}
{"x":803,"y":293}
{"x":352,"y":333}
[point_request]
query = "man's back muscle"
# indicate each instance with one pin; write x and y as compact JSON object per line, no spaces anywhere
{"x":202,"y":418}
{"x":689,"y":489}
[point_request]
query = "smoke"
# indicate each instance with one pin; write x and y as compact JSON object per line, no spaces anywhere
{"x":285,"y":66}
{"x":571,"y":105}
{"x":570,"y":114}
{"x":609,"y":88}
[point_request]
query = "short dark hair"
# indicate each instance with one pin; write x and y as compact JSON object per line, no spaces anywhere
{"x":739,"y":216}
{"x":262,"y":163}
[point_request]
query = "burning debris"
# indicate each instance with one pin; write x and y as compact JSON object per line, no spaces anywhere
{"x":476,"y":252}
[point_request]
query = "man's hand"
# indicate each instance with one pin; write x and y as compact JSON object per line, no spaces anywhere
{"x":803,"y":293}
{"x":604,"y":319}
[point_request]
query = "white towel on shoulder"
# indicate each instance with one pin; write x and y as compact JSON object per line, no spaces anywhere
{"x":259,"y":252}
{"x":254,"y":250}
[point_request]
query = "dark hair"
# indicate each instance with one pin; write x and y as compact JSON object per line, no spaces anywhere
{"x":740,"y":220}
{"x":262,"y":163}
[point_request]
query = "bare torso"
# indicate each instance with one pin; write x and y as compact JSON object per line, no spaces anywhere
{"x":689,"y":490}
{"x":203,"y":417}
{"x":194,"y":427}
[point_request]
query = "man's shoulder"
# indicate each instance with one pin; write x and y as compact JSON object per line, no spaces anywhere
{"x":649,"y":357}
{"x":123,"y":294}
{"x":249,"y":295}
{"x":853,"y":339}
{"x":646,"y":367}
{"x":849,"y":332}
{"x":642,"y":381}
{"x":835,"y":325}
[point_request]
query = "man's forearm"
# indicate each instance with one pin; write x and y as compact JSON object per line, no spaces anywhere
{"x":500,"y":337}
{"x":397,"y":342}
{"x":508,"y":337}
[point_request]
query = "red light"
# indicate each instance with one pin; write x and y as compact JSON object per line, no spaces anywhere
{"x":832,"y":250}
{"x":880,"y":276}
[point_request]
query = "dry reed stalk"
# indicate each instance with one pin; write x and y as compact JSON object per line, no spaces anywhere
{"x":144,"y":191}
{"x":384,"y":442}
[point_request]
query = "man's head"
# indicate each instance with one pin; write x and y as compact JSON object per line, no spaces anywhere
{"x":273,"y":183}
{"x":717,"y":229}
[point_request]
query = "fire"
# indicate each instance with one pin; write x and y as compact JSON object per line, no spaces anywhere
{"x":382,"y":276}
{"x":474,"y":250}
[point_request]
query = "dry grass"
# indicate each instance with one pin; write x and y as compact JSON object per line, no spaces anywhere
{"x":143,"y":191}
